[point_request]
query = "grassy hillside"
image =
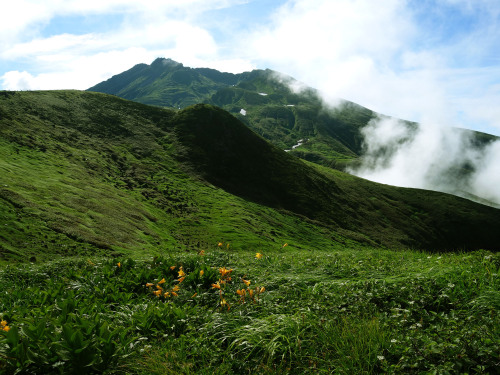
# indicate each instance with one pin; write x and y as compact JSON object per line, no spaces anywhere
{"x":182,"y":242}
{"x":87,"y":172}
{"x":96,"y":174}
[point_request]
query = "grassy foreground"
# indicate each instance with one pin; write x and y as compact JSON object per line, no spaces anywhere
{"x":226,"y":311}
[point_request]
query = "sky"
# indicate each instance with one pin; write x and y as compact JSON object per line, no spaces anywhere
{"x":434,"y":61}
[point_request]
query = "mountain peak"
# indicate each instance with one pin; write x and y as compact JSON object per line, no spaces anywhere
{"x":161,"y":61}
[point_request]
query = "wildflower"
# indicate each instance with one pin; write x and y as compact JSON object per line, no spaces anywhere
{"x":181,"y":272}
{"x":172,"y":267}
{"x":162,"y":281}
{"x":6,"y":328}
{"x":247,"y":282}
{"x":250,"y":291}
{"x":176,"y":288}
{"x":180,"y":280}
{"x":158,"y":287}
{"x":223,"y":302}
{"x":202,"y":252}
{"x":224,"y":272}
{"x":380,"y":357}
{"x":149,"y":285}
{"x":284,"y":245}
{"x":175,"y":294}
{"x":166,"y":295}
{"x":241,"y":292}
{"x":259,"y":255}
{"x":157,"y":292}
{"x":202,"y":273}
{"x":216,"y":285}
{"x":194,"y":295}
{"x":3,"y":323}
{"x":219,"y":244}
{"x":262,"y":289}
{"x":119,"y":265}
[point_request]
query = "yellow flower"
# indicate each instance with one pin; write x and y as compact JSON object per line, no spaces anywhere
{"x":176,"y":288}
{"x":262,"y":289}
{"x":194,"y":295}
{"x":202,"y":252}
{"x":250,"y":291}
{"x":241,"y":292}
{"x":219,"y":244}
{"x":247,"y":282}
{"x":162,"y":281}
{"x":216,"y":285}
{"x":180,"y":280}
{"x":3,"y":323}
{"x":224,"y":272}
{"x":175,"y":294}
{"x":202,"y":273}
{"x":159,"y":287}
{"x":224,"y":303}
{"x":149,"y":285}
{"x":119,"y":264}
{"x":172,"y":268}
{"x":181,"y":272}
{"x":166,"y":295}
{"x":259,"y":255}
{"x":157,"y":292}
{"x":285,"y":245}
{"x":6,"y":328}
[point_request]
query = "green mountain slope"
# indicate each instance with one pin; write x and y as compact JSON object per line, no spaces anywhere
{"x":271,"y":108}
{"x":265,"y":101}
{"x":166,"y":83}
{"x":92,"y":173}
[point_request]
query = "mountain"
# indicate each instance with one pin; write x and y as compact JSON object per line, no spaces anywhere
{"x":262,"y":99}
{"x":275,"y":106}
{"x":90,"y":173}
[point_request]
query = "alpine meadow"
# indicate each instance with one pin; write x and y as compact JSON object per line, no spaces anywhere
{"x":184,"y":220}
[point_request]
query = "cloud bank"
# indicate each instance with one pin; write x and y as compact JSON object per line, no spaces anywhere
{"x":430,"y":157}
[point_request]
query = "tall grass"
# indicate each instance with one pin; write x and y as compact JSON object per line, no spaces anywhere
{"x":377,"y":311}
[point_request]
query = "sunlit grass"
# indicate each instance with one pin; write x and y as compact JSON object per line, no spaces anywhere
{"x":225,"y":311}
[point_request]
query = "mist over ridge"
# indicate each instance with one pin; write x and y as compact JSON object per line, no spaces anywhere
{"x":429,"y":156}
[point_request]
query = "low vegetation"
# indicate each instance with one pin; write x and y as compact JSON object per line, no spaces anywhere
{"x":270,"y":311}
{"x":141,"y":240}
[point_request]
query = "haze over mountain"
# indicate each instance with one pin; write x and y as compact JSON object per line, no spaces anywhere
{"x":345,"y":136}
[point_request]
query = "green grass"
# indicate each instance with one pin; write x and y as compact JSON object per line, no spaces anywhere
{"x":87,"y":173}
{"x":346,"y":311}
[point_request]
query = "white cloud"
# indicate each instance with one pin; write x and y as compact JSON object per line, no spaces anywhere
{"x":379,"y":55}
{"x":16,"y":80}
{"x":432,"y":157}
{"x":486,"y":180}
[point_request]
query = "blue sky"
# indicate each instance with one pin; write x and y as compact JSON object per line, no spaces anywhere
{"x":422,"y":60}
